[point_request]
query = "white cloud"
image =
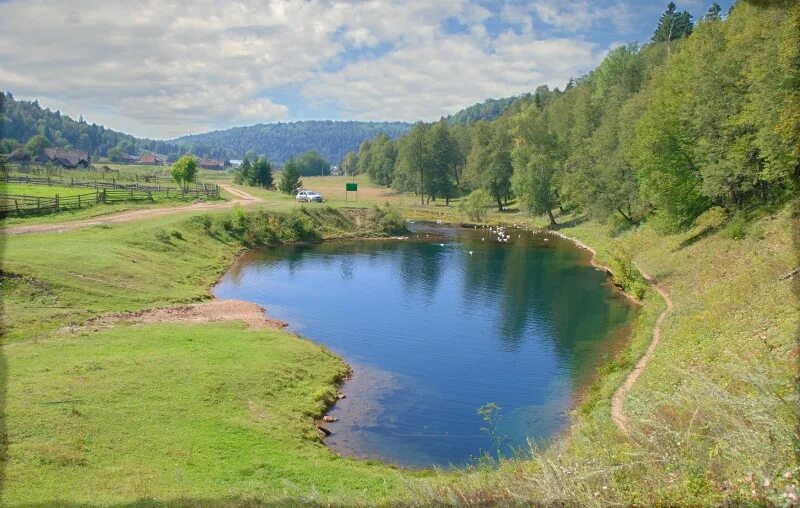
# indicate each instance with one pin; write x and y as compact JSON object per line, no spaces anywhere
{"x":164,"y":68}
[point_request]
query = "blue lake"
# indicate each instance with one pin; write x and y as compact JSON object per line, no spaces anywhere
{"x":434,"y":332}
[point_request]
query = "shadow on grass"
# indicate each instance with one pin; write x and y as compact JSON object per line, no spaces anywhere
{"x":695,"y":238}
{"x":571,"y":223}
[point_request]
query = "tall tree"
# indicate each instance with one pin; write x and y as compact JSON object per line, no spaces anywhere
{"x":290,"y":178}
{"x":489,"y":164}
{"x":443,"y":157}
{"x":537,"y":158}
{"x":184,"y":170}
{"x":412,"y":162}
{"x":311,"y":163}
{"x":673,"y":25}
{"x":262,"y":173}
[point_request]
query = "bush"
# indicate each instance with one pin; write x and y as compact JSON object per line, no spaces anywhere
{"x":475,"y":205}
{"x":387,"y":221}
{"x":736,"y":229}
{"x":625,"y":275}
{"x":162,"y":235}
{"x":713,"y":218}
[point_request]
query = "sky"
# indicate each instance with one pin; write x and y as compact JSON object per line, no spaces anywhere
{"x":163,"y":68}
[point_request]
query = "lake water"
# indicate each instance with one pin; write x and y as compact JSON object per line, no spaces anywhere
{"x":434,"y":332}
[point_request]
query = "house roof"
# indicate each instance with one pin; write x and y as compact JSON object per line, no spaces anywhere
{"x":150,"y":158}
{"x":210,"y":162}
{"x":18,"y":155}
{"x":67,"y":157}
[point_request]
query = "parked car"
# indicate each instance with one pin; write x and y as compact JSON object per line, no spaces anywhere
{"x":306,"y":196}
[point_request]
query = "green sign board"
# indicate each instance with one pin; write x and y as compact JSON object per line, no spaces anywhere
{"x":351,"y":187}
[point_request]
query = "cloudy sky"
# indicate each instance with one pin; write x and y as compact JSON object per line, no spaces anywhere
{"x":162,"y":68}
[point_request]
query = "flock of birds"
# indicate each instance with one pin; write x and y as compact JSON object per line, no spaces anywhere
{"x":499,"y":231}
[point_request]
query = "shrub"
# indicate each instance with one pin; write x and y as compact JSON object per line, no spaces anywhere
{"x":736,"y":229}
{"x":162,"y":235}
{"x":625,"y":275}
{"x":386,"y":220}
{"x":713,"y":218}
{"x":475,"y":205}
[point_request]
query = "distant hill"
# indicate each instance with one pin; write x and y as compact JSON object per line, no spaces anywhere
{"x":21,"y":120}
{"x":486,"y":110}
{"x":282,"y":140}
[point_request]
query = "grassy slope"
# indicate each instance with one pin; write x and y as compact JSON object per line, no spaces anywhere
{"x":250,"y":395}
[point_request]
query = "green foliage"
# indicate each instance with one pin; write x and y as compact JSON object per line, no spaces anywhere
{"x":8,"y":145}
{"x":537,"y":157}
{"x":487,"y":110}
{"x":673,"y":25}
{"x":626,"y":276}
{"x":311,"y":163}
{"x":474,"y":206}
{"x":377,"y":158}
{"x":36,"y":145}
{"x":490,"y":413}
{"x":384,"y":220}
{"x":256,"y":172}
{"x":711,"y":219}
{"x":290,"y":178}
{"x":488,"y":164}
{"x":184,"y":170}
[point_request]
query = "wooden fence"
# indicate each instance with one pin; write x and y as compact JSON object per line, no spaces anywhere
{"x":21,"y":205}
{"x":198,"y":189}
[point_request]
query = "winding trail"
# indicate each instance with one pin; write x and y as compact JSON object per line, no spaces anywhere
{"x":241,"y":198}
{"x":618,"y":400}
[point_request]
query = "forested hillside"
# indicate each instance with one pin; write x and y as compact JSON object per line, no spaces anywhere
{"x":27,"y":123}
{"x":702,"y":120}
{"x":486,"y":110}
{"x":281,"y":141}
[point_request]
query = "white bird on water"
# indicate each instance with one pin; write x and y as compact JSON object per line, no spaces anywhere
{"x":470,"y":253}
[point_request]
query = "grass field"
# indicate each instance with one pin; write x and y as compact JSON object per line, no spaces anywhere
{"x":219,"y":414}
{"x":42,"y":190}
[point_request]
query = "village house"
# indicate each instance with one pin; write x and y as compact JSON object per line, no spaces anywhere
{"x":212,"y":164}
{"x":18,"y":156}
{"x":152,"y":159}
{"x":64,"y":157}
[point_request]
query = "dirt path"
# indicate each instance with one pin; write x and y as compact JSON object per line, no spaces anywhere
{"x":241,"y":197}
{"x":254,"y":316}
{"x":618,"y":400}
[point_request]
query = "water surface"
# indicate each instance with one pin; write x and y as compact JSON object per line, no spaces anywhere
{"x":437,"y":326}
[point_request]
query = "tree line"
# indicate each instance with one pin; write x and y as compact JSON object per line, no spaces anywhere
{"x":704,"y":115}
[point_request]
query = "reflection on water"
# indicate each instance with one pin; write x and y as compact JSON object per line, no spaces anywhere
{"x":438,"y":325}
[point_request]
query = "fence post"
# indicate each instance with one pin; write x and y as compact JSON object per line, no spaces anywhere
{"x":79,"y":200}
{"x":57,"y":207}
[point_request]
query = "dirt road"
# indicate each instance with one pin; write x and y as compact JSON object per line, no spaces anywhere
{"x":241,"y":197}
{"x":618,"y":400}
